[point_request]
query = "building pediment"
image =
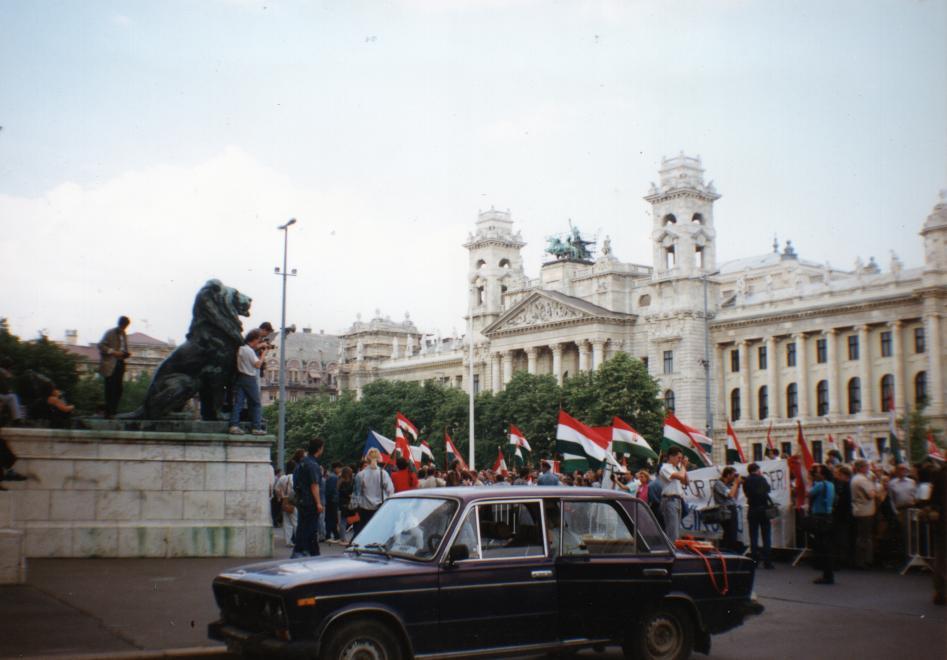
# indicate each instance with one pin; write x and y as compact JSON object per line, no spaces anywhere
{"x":543,"y":309}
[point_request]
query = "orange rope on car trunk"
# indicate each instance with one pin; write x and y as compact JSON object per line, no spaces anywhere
{"x":700,"y":548}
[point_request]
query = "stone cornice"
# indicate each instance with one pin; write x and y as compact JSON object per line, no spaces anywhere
{"x":681,"y":192}
{"x":560,"y":324}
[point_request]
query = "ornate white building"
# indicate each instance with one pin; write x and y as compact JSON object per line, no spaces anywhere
{"x":764,"y":340}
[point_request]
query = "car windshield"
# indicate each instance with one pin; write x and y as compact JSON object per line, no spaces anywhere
{"x":410,"y":527}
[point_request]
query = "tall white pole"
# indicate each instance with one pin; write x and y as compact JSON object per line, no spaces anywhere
{"x":470,"y":380}
{"x":281,"y":437}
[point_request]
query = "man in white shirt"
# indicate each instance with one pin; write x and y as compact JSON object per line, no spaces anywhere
{"x":247,"y":385}
{"x":673,"y":475}
{"x":864,"y":507}
{"x":902,"y":490}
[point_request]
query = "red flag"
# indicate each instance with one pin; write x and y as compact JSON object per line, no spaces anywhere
{"x":932,"y":449}
{"x":451,"y":451}
{"x":733,"y":444}
{"x":499,"y":466}
{"x":799,"y":487}
{"x":804,"y":447}
{"x":769,"y":440}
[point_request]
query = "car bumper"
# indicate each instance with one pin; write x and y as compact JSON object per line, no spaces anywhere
{"x":243,"y":642}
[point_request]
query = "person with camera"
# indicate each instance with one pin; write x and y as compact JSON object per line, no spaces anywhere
{"x":757,"y":489}
{"x":673,"y":476}
{"x":247,"y":385}
{"x":725,"y":492}
{"x":113,"y":351}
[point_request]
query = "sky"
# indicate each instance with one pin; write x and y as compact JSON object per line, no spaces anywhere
{"x":149,"y":146}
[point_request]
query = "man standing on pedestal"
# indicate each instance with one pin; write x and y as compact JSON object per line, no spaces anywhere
{"x":113,"y":351}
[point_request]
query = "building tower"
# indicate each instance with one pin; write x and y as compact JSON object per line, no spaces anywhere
{"x":495,"y":264}
{"x":685,"y":255}
{"x":683,"y":219}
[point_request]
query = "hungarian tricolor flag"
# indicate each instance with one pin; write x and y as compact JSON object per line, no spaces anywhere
{"x":734,"y":450}
{"x":499,"y":465}
{"x":694,"y":444}
{"x":427,"y":456}
{"x":574,"y":437}
{"x":450,"y":451}
{"x":807,"y":459}
{"x":769,"y":441}
{"x":404,"y":426}
{"x":518,"y":438}
{"x":626,"y":440}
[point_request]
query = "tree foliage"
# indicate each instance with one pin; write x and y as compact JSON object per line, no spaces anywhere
{"x":620,"y":387}
{"x":40,"y":356}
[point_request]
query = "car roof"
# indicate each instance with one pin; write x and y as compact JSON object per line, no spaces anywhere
{"x":474,"y":493}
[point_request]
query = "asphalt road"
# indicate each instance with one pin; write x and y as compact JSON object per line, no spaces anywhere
{"x":127,"y":607}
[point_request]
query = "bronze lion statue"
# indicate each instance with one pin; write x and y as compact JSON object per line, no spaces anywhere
{"x":205,"y":363}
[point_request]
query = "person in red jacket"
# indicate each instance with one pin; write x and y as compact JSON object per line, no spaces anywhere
{"x":404,"y":478}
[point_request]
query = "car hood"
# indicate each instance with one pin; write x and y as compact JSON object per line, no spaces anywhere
{"x":291,"y":573}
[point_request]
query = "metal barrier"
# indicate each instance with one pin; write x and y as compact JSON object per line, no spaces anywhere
{"x":918,"y":542}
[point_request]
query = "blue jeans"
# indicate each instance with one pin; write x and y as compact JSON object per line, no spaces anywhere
{"x":247,"y":389}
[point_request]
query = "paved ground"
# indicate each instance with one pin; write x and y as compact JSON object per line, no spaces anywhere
{"x":118,"y":608}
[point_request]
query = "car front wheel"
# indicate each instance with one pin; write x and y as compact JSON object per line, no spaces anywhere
{"x":362,"y":639}
{"x":667,"y":634}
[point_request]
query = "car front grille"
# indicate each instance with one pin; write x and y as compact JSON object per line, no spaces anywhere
{"x":251,"y":610}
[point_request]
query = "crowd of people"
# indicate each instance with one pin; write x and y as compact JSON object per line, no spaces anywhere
{"x":853,"y":515}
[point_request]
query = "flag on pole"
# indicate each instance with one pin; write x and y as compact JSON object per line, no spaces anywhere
{"x":769,"y":440}
{"x":678,"y":434}
{"x":574,"y":437}
{"x":734,"y":450}
{"x":893,"y":435}
{"x":403,"y":425}
{"x":499,"y":466}
{"x":932,"y":449}
{"x":450,"y":451}
{"x":517,"y":438}
{"x":426,"y":452}
{"x":626,"y":440}
{"x":381,"y":443}
{"x":807,"y":459}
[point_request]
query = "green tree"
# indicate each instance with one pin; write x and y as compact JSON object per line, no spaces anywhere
{"x":41,"y":356}
{"x":531,"y":402}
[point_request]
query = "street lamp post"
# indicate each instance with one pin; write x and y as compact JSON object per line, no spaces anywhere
{"x":470,"y":379}
{"x":281,"y":437}
{"x":706,"y":361}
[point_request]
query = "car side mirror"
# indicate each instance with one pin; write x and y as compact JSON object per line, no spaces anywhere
{"x":458,"y":552}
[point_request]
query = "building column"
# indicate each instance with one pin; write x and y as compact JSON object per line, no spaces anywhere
{"x":745,"y":411}
{"x":772,"y":379}
{"x":864,"y":369}
{"x":898,"y":355}
{"x":718,"y":386}
{"x":507,"y":366}
{"x":802,"y":371}
{"x":583,"y":354}
{"x":531,"y":354}
{"x":495,"y":384}
{"x":598,"y":353}
{"x":835,"y":386}
{"x":557,"y":362}
{"x":935,"y":374}
{"x":395,"y":354}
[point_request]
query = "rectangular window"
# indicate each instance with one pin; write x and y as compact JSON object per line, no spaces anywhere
{"x":735,"y":360}
{"x":644,"y":361}
{"x":511,"y":529}
{"x":920,"y":345}
{"x":594,"y":528}
{"x":762,"y":357}
{"x":886,"y":343}
{"x":853,"y":347}
{"x":817,"y":450}
{"x":757,"y":451}
{"x":668,"y":362}
{"x":791,"y":354}
{"x":821,"y":351}
{"x":476,"y":384}
{"x":786,"y":448}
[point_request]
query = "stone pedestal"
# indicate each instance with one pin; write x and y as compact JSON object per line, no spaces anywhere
{"x":12,"y":561}
{"x":105,"y":493}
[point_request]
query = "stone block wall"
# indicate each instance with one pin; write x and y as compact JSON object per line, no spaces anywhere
{"x":141,"y":494}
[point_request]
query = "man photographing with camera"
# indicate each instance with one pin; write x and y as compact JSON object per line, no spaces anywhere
{"x":113,"y":351}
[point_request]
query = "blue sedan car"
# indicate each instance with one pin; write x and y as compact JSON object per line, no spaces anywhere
{"x":490,"y":572}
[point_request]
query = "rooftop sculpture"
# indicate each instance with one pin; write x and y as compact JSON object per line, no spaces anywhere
{"x":574,"y":247}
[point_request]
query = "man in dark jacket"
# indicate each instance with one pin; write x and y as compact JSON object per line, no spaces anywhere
{"x":307,"y":481}
{"x":332,"y":502}
{"x":756,"y":489}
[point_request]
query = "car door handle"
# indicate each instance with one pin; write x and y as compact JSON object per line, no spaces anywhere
{"x":655,"y":572}
{"x":539,"y":575}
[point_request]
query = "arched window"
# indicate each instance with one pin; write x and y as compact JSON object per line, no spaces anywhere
{"x":762,"y":402}
{"x":920,"y":388}
{"x":669,"y":219}
{"x":698,"y":218}
{"x":644,"y":300}
{"x":670,"y":259}
{"x":480,"y":295}
{"x":735,"y":404}
{"x":481,"y":263}
{"x":504,"y":263}
{"x":887,"y":392}
{"x":792,"y":400}
{"x":854,"y":396}
{"x":669,"y":400}
{"x":699,"y":253}
{"x":822,"y":397}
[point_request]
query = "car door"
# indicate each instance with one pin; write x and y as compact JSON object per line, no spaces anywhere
{"x":504,"y":593}
{"x":608,"y":573}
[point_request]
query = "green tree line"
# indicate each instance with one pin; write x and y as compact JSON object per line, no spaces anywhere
{"x":621,"y":387}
